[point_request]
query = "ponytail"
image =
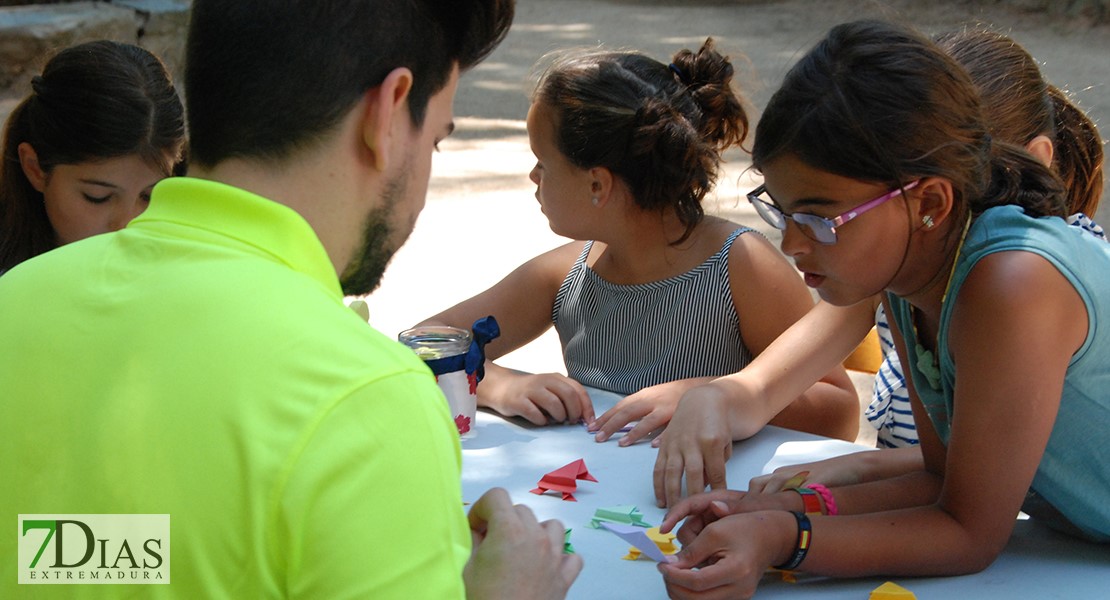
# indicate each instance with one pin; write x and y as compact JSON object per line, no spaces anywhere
{"x":1018,"y":178}
{"x":25,"y":230}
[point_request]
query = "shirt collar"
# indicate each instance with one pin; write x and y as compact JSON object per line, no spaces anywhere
{"x":249,"y":218}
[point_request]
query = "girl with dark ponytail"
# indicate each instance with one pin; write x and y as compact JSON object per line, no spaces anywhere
{"x":995,"y":304}
{"x":663,"y":297}
{"x":102,"y":125}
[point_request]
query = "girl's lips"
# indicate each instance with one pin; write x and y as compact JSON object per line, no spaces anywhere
{"x":813,"y":280}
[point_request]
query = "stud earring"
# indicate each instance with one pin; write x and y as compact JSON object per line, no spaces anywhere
{"x":927,"y":220}
{"x":595,"y":200}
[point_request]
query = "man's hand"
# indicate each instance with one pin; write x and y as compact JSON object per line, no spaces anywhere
{"x":513,"y":555}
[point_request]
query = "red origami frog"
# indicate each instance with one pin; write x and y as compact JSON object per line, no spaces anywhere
{"x":564,"y":479}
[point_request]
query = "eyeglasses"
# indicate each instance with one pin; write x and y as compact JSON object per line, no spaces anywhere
{"x":818,"y":229}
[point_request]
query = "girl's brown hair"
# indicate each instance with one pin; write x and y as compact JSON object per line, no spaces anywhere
{"x":93,"y":101}
{"x":660,"y":128}
{"x":879,"y":102}
{"x":1019,"y":105}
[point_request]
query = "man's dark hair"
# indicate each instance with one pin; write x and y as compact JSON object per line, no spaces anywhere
{"x":264,"y":78}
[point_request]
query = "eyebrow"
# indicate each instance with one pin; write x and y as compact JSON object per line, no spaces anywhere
{"x":814,"y":202}
{"x":99,"y":182}
{"x":803,"y":203}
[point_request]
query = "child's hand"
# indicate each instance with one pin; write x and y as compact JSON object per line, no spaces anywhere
{"x":849,"y":469}
{"x":542,"y":398}
{"x":651,"y":406}
{"x":700,"y":510}
{"x":695,"y":446}
{"x":728,"y":557}
{"x":831,"y":472}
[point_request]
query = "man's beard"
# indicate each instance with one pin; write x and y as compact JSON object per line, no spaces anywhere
{"x":364,"y":273}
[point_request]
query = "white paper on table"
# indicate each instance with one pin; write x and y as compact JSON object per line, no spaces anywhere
{"x":795,"y":453}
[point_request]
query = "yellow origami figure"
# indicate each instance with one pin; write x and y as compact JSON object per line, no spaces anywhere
{"x":664,"y":541}
{"x":891,"y":591}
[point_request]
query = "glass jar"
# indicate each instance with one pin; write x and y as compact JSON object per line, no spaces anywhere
{"x":444,"y":350}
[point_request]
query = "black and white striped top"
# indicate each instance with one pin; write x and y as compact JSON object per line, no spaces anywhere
{"x":623,"y":338}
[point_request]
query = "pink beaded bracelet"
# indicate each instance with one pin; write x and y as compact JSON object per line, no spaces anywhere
{"x":826,"y":495}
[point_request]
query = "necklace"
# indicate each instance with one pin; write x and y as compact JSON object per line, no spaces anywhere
{"x":928,"y":364}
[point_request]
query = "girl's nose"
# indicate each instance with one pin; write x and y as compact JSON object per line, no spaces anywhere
{"x":794,"y":242}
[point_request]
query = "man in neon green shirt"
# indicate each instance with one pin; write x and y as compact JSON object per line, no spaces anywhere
{"x":200,"y":363}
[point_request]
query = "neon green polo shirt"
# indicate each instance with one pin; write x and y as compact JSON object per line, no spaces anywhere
{"x":201,"y":364}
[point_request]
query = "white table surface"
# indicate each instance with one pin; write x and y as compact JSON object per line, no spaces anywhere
{"x":513,"y":454}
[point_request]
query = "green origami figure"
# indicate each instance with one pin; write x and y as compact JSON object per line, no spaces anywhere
{"x":624,"y":514}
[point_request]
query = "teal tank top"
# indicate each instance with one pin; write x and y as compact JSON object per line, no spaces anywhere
{"x":1074,"y":473}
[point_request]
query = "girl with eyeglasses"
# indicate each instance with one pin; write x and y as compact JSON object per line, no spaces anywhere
{"x":657,"y":297}
{"x":995,"y":304}
{"x":1020,"y":106}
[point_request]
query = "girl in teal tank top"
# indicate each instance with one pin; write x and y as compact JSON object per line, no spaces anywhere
{"x":995,"y":305}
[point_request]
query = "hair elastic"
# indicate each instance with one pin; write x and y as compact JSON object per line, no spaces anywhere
{"x":678,"y":72}
{"x":826,"y":495}
{"x":810,"y":500}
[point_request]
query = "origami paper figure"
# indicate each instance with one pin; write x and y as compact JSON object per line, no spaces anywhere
{"x":891,"y":591}
{"x":625,"y":514}
{"x":663,"y":541}
{"x":567,"y":547}
{"x":564,"y":479}
{"x":643,"y":543}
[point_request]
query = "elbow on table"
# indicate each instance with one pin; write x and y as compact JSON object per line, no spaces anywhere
{"x":970,"y":552}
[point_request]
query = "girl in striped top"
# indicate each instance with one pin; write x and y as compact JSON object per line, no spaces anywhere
{"x":658,"y":297}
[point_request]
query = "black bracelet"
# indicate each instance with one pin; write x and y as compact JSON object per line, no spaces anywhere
{"x":805,"y":531}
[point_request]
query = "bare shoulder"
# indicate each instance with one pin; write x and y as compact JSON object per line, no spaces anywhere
{"x":751,"y":250}
{"x":1020,"y":291}
{"x":555,"y":263}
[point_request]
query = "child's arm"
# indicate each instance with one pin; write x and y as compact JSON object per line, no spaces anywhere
{"x":849,"y":469}
{"x":769,"y":297}
{"x":1015,"y":327}
{"x":699,"y":438}
{"x":522,"y":303}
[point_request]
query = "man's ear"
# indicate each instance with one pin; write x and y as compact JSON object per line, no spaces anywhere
{"x":29,"y":160}
{"x":601,"y":185}
{"x":935,"y":198}
{"x":385,"y":104}
{"x":1042,"y":149}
